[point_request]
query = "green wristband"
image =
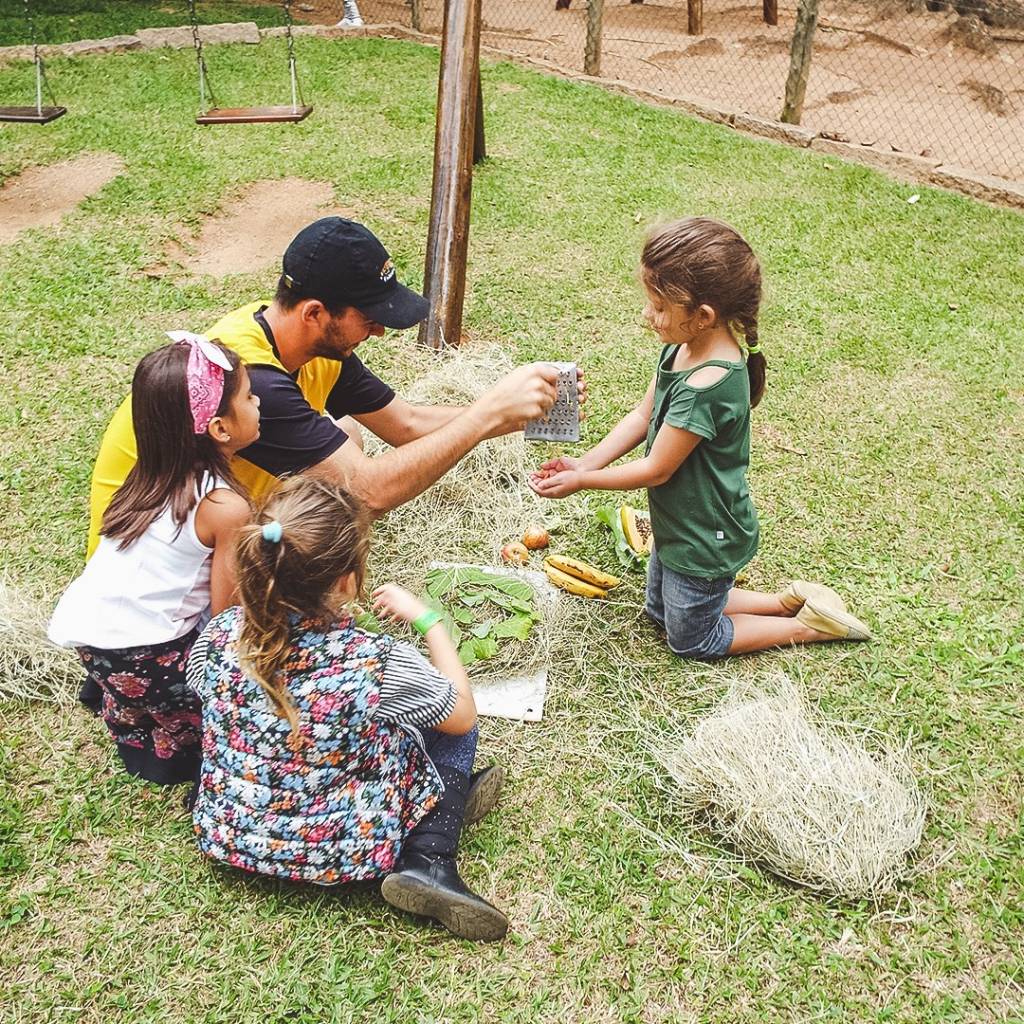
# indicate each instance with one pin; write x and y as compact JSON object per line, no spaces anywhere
{"x":426,"y":621}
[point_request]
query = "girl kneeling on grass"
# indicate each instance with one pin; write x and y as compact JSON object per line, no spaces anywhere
{"x":333,"y":754}
{"x":163,"y":559}
{"x":703,"y":286}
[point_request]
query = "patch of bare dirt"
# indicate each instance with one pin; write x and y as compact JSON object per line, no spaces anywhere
{"x":990,"y":97}
{"x":39,"y":197}
{"x":709,"y":46}
{"x":252,"y":230}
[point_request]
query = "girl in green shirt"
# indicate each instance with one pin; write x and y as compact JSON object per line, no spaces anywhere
{"x":703,"y":286}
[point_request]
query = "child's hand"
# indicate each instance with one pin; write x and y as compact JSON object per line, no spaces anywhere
{"x":557,"y":465}
{"x":560,"y":484}
{"x":394,"y":602}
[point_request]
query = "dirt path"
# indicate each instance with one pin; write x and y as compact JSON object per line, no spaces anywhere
{"x":41,"y":196}
{"x":252,"y":230}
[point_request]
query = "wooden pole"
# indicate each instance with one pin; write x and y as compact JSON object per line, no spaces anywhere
{"x":444,"y":278}
{"x":416,"y":15}
{"x":479,"y":141}
{"x":695,"y":17}
{"x":769,"y":11}
{"x":800,"y":60}
{"x":592,"y":54}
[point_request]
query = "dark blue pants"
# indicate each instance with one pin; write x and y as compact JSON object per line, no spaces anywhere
{"x":454,"y":751}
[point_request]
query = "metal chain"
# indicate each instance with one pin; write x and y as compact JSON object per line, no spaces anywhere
{"x":292,"y":70}
{"x":41,"y":80}
{"x":204,"y":79}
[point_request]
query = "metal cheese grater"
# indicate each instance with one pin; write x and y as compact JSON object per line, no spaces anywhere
{"x":562,"y":422}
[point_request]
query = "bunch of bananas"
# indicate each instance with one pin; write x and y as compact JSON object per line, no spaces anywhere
{"x":576,"y":577}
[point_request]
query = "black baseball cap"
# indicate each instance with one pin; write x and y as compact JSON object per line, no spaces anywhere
{"x":342,"y":263}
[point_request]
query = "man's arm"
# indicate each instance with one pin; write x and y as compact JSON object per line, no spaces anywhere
{"x":395,"y":477}
{"x":400,"y":422}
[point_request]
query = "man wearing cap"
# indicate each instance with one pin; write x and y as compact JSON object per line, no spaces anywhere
{"x":338,"y":287}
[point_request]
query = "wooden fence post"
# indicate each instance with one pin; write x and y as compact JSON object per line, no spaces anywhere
{"x":416,"y":15}
{"x":592,"y":54}
{"x":694,"y":17}
{"x":444,"y":277}
{"x":479,"y":141}
{"x":769,"y":11}
{"x":800,"y":60}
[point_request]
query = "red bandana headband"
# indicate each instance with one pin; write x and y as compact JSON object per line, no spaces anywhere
{"x":204,"y":376}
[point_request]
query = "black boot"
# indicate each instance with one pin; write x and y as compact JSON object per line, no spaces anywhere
{"x":484,"y":790}
{"x":426,"y":880}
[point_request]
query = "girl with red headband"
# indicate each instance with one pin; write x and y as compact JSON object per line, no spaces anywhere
{"x":163,"y":561}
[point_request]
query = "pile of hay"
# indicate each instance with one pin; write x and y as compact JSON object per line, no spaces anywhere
{"x":480,"y":504}
{"x":31,"y":668}
{"x":787,"y":790}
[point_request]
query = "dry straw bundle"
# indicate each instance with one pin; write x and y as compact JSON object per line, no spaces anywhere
{"x":480,"y":504}
{"x":786,"y":789}
{"x":31,"y":668}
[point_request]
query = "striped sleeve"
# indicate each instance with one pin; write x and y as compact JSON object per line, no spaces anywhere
{"x":195,"y":669}
{"x":412,"y":691}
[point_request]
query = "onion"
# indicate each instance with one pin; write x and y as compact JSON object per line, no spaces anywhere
{"x":536,"y":537}
{"x":515,"y":554}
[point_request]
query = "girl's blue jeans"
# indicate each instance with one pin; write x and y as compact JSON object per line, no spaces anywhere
{"x":690,"y":610}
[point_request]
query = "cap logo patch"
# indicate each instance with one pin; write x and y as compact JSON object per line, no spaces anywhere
{"x":387,"y":272}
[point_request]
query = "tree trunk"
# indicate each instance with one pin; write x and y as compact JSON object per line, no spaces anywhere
{"x":444,"y":278}
{"x":800,"y":60}
{"x":694,"y":17}
{"x":592,"y":54}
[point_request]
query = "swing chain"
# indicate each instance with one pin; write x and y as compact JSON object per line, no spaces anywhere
{"x":290,"y":37}
{"x":41,"y":80}
{"x":204,"y":79}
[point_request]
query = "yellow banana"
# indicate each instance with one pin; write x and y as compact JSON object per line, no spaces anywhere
{"x":582,"y":571}
{"x":571,"y":584}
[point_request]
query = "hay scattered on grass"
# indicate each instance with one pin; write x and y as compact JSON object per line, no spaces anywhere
{"x":31,"y":668}
{"x":790,"y":791}
{"x":480,"y":504}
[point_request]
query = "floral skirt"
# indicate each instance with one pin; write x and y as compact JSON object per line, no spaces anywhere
{"x":153,"y":716}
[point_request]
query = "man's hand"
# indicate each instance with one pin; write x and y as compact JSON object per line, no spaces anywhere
{"x":527,"y":393}
{"x":581,"y":393}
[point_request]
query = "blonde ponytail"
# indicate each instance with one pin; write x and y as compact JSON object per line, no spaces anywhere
{"x":307,"y":536}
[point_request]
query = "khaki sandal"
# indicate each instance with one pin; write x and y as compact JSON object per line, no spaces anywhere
{"x":799,"y":591}
{"x":832,"y":621}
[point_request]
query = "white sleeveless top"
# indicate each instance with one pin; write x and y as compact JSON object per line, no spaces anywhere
{"x":155,"y":590}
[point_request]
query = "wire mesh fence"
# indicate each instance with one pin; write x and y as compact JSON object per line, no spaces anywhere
{"x":922,"y":77}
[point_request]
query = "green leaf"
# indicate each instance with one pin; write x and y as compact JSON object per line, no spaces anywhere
{"x":518,"y":627}
{"x":483,"y":629}
{"x":609,"y":515}
{"x":471,"y":600}
{"x":484,"y":647}
{"x":463,"y":615}
{"x":368,"y":621}
{"x":467,"y":654}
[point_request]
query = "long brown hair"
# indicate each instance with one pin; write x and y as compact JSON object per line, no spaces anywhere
{"x":698,"y":261}
{"x":324,"y":535}
{"x":172,"y":458}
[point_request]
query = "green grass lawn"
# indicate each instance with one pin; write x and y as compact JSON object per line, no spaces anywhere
{"x":59,"y":21}
{"x":896,"y":359}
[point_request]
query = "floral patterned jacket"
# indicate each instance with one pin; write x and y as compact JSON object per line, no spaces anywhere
{"x":337,"y":808}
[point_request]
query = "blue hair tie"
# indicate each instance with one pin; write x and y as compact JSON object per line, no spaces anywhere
{"x":272,"y":532}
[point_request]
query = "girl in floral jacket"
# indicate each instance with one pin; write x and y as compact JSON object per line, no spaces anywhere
{"x":331,"y":753}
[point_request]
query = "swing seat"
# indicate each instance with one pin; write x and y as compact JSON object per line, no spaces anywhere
{"x":254,"y":115}
{"x":32,"y":115}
